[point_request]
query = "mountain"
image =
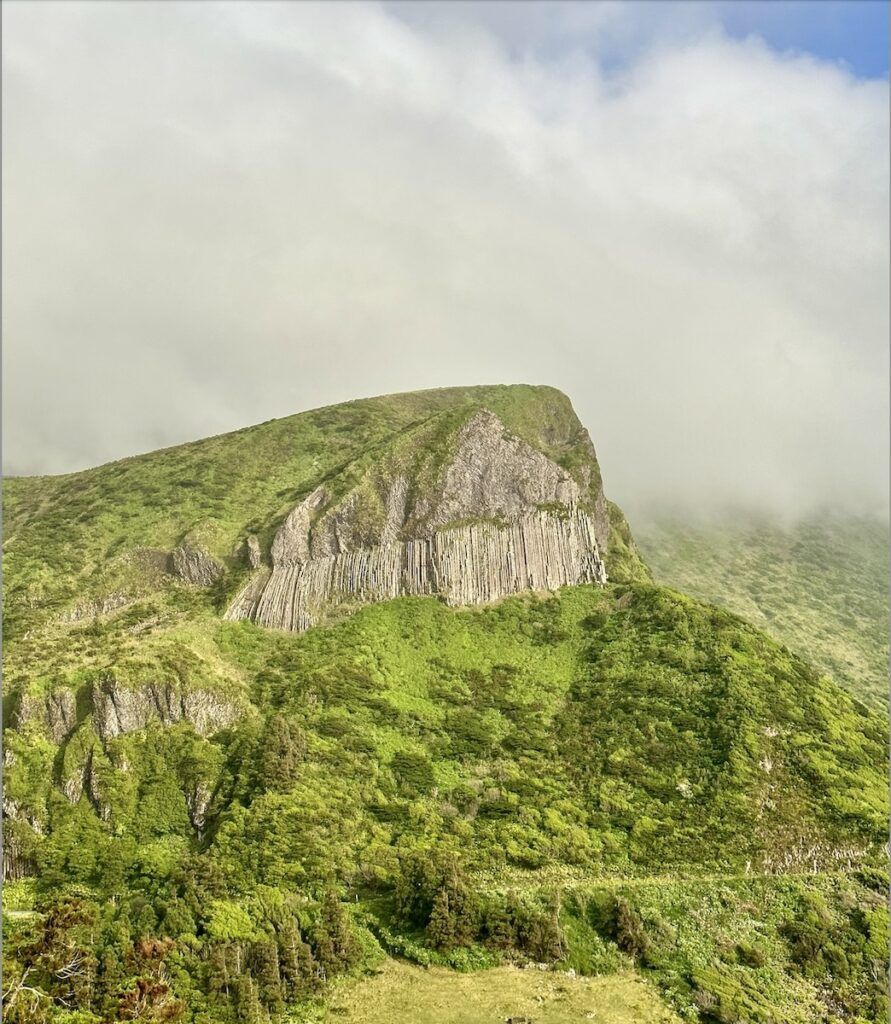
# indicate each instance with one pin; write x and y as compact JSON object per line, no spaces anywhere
{"x":317,"y":486}
{"x":820,"y":584}
{"x":392,"y":679}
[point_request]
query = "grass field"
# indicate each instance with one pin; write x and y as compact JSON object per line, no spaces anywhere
{"x":399,"y":992}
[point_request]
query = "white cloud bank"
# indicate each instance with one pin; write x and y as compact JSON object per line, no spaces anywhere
{"x":219,"y":213}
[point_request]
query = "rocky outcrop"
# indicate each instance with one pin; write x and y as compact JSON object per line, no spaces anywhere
{"x":254,"y":555}
{"x":92,"y":609}
{"x":501,"y":518}
{"x":495,"y":474}
{"x":194,"y":565}
{"x":197,"y":803}
{"x":119,"y":709}
{"x":464,"y":565}
{"x":56,"y":711}
{"x":291,"y":543}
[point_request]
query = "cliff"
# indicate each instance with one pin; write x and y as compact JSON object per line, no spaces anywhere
{"x":464,"y":565}
{"x":500,"y":519}
{"x":465,"y":493}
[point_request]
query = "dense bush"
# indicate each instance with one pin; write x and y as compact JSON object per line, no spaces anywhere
{"x":634,"y":744}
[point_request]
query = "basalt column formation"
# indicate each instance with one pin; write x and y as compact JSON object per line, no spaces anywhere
{"x":503,"y":519}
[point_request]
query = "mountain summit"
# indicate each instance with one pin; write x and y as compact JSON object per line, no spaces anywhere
{"x":457,"y":506}
{"x":466,"y":493}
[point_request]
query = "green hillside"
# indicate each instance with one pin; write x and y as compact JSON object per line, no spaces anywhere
{"x":211,"y":822}
{"x":86,"y":535}
{"x":625,"y":731}
{"x":820,"y":586}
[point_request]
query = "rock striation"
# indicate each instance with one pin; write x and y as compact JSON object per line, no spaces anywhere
{"x":56,"y":712}
{"x":192,"y":564}
{"x":118,"y":709}
{"x":254,"y":556}
{"x":502,"y":518}
{"x":465,"y":565}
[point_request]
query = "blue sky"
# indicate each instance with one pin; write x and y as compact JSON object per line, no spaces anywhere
{"x":853,"y":31}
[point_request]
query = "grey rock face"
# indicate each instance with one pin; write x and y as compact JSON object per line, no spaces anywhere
{"x":254,"y":555}
{"x":465,"y":565}
{"x":80,"y":780}
{"x":195,"y":565}
{"x":424,"y":545}
{"x":291,"y":543}
{"x":494,"y":474}
{"x":396,"y":510}
{"x":91,"y":609}
{"x":197,"y":802}
{"x":57,"y":712}
{"x":118,"y":709}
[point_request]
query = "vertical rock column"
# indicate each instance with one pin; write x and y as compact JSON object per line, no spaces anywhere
{"x":466,"y":565}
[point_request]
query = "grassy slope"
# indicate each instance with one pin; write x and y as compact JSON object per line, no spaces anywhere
{"x":402,"y":992}
{"x":619,"y":731}
{"x":578,"y":730}
{"x":68,"y":537}
{"x":622,"y":732}
{"x":821,"y":586}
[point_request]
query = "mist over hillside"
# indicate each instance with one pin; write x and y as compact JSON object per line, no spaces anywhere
{"x":818,"y":583}
{"x":679,"y":226}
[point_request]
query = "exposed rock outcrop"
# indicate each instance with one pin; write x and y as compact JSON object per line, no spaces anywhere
{"x":198,"y":802}
{"x":91,"y":609}
{"x":495,"y":474}
{"x":118,"y":709}
{"x":194,"y":565}
{"x":465,"y":565}
{"x":502,"y":518}
{"x":254,"y":555}
{"x":291,"y":543}
{"x":56,"y":711}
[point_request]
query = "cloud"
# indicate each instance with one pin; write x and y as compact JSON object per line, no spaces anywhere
{"x":219,"y":213}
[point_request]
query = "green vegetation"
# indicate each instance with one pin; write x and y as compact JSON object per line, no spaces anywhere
{"x":400,"y":992}
{"x":213,"y":823}
{"x":821,"y":585}
{"x":81,"y":537}
{"x":403,"y":757}
{"x":758,"y":949}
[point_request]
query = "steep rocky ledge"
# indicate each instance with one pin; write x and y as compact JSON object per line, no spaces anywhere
{"x":119,"y":709}
{"x":503,"y":519}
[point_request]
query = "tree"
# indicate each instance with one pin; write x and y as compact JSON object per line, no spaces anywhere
{"x":541,"y":934}
{"x":284,"y":748}
{"x":266,"y":971}
{"x":335,"y":947}
{"x":630,"y":931}
{"x":425,"y":875}
{"x":247,"y":1001}
{"x":440,"y":928}
{"x":301,"y":973}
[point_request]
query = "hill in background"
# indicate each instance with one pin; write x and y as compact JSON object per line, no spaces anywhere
{"x":820,"y":585}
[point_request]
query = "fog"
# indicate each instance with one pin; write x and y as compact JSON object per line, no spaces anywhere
{"x":216,"y":214}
